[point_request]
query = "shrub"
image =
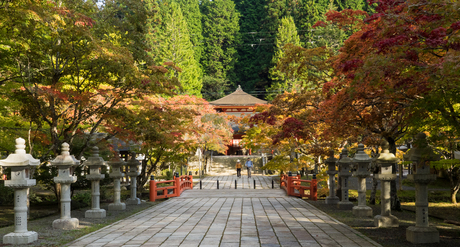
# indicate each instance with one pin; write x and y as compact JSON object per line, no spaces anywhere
{"x":83,"y":197}
{"x":6,"y":194}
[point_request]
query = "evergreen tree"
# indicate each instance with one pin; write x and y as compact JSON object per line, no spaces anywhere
{"x":256,"y":50}
{"x":287,"y":34}
{"x":172,"y":46}
{"x":192,"y":14}
{"x":220,"y":35}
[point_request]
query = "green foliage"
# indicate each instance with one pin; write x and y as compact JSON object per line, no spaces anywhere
{"x":6,"y":194}
{"x":167,"y":174}
{"x":287,"y":34}
{"x":214,"y":88}
{"x":256,"y":42}
{"x":83,"y":197}
{"x":192,"y":15}
{"x":172,"y":46}
{"x":220,"y":35}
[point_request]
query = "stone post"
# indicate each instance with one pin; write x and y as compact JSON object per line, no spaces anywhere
{"x":385,"y":162}
{"x":345,"y":174}
{"x":421,"y":155}
{"x":362,"y":160}
{"x":133,"y":165}
{"x":64,"y":163}
{"x":331,"y":162}
{"x":116,"y":164}
{"x":20,"y":164}
{"x":95,"y":163}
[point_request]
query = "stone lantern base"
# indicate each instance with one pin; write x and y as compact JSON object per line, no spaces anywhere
{"x":386,"y":221}
{"x":332,"y":200}
{"x":422,"y":235}
{"x":20,"y":238}
{"x":95,"y":213}
{"x":362,"y":211}
{"x":117,"y":206}
{"x":66,"y":224}
{"x":345,"y":205}
{"x":133,"y":201}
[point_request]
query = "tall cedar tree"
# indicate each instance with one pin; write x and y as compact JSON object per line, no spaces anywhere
{"x":287,"y":34}
{"x":220,"y":32}
{"x":256,"y":42}
{"x":192,"y":15}
{"x":174,"y":48}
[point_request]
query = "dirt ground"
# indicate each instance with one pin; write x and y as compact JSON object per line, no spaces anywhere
{"x":449,"y":234}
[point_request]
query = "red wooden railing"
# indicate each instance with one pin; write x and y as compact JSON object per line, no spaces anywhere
{"x":180,"y":184}
{"x":293,"y":187}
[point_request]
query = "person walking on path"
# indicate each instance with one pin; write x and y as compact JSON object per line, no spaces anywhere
{"x":249,"y":165}
{"x":238,"y":168}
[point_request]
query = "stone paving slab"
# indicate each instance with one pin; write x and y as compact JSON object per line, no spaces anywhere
{"x":228,"y":182}
{"x":261,"y":217}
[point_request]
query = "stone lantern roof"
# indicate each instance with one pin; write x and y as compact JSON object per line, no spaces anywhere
{"x":238,"y":98}
{"x":421,"y":150}
{"x":20,"y":158}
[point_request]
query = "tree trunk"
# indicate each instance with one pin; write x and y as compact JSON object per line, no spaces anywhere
{"x":395,"y":203}
{"x":375,"y":183}
{"x":453,"y":196}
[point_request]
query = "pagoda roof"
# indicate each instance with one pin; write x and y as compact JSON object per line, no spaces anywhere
{"x":238,"y":98}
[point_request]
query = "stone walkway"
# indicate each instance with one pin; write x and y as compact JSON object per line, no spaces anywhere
{"x":228,"y":217}
{"x":228,"y":182}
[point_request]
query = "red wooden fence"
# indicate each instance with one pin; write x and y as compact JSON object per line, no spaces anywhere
{"x":179,"y":184}
{"x":293,"y":187}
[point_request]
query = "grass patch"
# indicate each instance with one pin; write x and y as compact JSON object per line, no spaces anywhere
{"x":440,"y":183}
{"x":441,"y":210}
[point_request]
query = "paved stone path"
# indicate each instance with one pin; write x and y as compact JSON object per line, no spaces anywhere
{"x":228,"y":217}
{"x":228,"y":182}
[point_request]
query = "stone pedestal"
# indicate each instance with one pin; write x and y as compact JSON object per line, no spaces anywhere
{"x":116,"y":164}
{"x":385,"y":162}
{"x":332,"y":199}
{"x":422,"y":154}
{"x":133,"y":165}
{"x":345,"y":173}
{"x":66,"y":222}
{"x":64,"y":163}
{"x":422,"y":233}
{"x":20,"y":163}
{"x":94,"y":163}
{"x":362,"y":210}
{"x":362,"y":160}
{"x":386,"y":219}
{"x":117,"y":204}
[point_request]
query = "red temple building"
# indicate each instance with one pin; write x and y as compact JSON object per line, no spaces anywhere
{"x":237,"y":104}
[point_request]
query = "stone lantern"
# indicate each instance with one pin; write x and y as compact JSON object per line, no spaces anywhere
{"x":95,"y":163}
{"x":362,"y":160}
{"x":133,"y":165}
{"x":64,"y":163}
{"x":345,"y":173}
{"x":385,"y":161}
{"x":20,"y":164}
{"x":116,"y":165}
{"x":331,"y":171}
{"x":421,"y":155}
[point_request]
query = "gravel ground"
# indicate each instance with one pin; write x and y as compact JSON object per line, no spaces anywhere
{"x":47,"y":236}
{"x":449,"y":234}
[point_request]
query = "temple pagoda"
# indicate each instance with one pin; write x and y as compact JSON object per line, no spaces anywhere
{"x":237,"y":104}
